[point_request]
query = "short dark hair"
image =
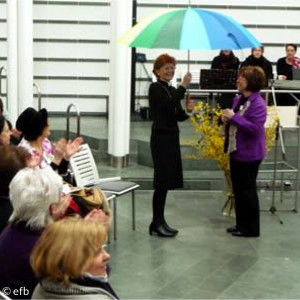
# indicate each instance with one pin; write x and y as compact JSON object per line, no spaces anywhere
{"x":162,"y":60}
{"x":32,"y":123}
{"x":255,"y":77}
{"x":291,"y":45}
{"x":12,"y":159}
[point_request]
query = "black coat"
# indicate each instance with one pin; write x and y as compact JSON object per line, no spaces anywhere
{"x":259,"y":62}
{"x":166,"y":111}
{"x":283,"y":68}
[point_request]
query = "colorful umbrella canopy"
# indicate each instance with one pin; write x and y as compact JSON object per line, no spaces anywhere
{"x":189,"y":29}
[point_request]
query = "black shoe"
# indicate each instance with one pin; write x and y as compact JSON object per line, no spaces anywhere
{"x":170,"y":229}
{"x":160,"y":231}
{"x":244,"y":234}
{"x":232,"y":229}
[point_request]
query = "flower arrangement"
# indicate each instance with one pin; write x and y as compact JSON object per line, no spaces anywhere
{"x":210,"y":145}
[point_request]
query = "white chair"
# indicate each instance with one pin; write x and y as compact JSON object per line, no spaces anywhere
{"x":3,"y":296}
{"x":86,"y":174}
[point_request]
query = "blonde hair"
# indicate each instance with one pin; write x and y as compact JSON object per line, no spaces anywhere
{"x":66,"y":248}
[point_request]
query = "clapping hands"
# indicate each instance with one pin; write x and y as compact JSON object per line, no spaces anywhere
{"x":65,"y":149}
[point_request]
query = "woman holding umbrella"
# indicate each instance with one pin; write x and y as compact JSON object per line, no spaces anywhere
{"x":166,"y":111}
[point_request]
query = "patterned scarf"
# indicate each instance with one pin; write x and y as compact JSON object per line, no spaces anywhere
{"x":233,"y":129}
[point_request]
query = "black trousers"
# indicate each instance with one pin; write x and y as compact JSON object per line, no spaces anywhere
{"x":243,"y":176}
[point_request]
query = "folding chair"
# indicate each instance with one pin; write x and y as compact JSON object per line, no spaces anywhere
{"x":86,"y":174}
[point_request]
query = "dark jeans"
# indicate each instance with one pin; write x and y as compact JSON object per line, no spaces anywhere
{"x":243,"y":176}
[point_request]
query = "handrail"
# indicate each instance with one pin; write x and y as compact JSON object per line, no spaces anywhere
{"x":68,"y":120}
{"x":1,"y":70}
{"x":39,"y":95}
{"x":107,"y":106}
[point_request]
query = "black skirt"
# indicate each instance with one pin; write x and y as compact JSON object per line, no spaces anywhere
{"x":165,"y":149}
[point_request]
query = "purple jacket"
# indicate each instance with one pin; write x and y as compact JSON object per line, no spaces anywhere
{"x":16,"y":244}
{"x":250,"y":137}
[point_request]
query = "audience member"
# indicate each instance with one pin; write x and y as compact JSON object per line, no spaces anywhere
{"x":257,"y":59}
{"x":35,"y":128}
{"x":12,"y":159}
{"x":226,"y":60}
{"x":36,"y":199}
{"x":285,"y":72}
{"x":68,"y":272}
{"x":4,"y":131}
{"x":285,"y":64}
{"x":14,"y":133}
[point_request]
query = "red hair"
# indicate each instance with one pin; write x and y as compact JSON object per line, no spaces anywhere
{"x":162,"y":60}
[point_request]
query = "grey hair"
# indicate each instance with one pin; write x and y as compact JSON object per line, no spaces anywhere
{"x":32,"y":191}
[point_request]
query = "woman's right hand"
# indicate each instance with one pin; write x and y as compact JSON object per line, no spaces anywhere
{"x":186,"y":79}
{"x":282,"y":77}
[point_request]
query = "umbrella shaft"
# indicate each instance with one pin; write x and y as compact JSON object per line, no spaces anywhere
{"x":188,"y":58}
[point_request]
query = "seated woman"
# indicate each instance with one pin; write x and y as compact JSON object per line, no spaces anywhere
{"x":284,"y":69}
{"x":12,"y":159}
{"x":257,"y":59}
{"x":35,"y":128}
{"x":226,"y":60}
{"x":36,"y":199}
{"x":5,"y":132}
{"x":68,"y":272}
{"x":14,"y":134}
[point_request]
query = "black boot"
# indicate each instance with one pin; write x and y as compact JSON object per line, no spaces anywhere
{"x":168,"y":228}
{"x":160,"y":230}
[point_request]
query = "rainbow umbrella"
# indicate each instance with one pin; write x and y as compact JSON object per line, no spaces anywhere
{"x":189,"y":29}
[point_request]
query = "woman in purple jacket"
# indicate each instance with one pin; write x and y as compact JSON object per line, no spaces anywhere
{"x":246,"y":143}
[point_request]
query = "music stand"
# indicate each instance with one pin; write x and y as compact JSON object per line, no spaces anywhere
{"x":218,"y":79}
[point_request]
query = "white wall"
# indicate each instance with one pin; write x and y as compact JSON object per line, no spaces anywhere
{"x":71,"y":44}
{"x":273,"y":22}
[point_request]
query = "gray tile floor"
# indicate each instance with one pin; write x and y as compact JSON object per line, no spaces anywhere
{"x":203,"y":261}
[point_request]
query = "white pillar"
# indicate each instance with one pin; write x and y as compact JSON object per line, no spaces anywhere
{"x":12,"y":59}
{"x":25,"y":53}
{"x":119,"y":96}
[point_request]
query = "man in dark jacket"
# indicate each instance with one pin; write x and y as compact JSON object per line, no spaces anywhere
{"x":257,"y":59}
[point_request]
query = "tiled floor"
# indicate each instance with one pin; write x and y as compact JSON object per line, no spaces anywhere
{"x":203,"y":261}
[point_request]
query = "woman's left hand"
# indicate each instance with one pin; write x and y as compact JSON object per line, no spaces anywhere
{"x":73,"y":147}
{"x":228,"y":114}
